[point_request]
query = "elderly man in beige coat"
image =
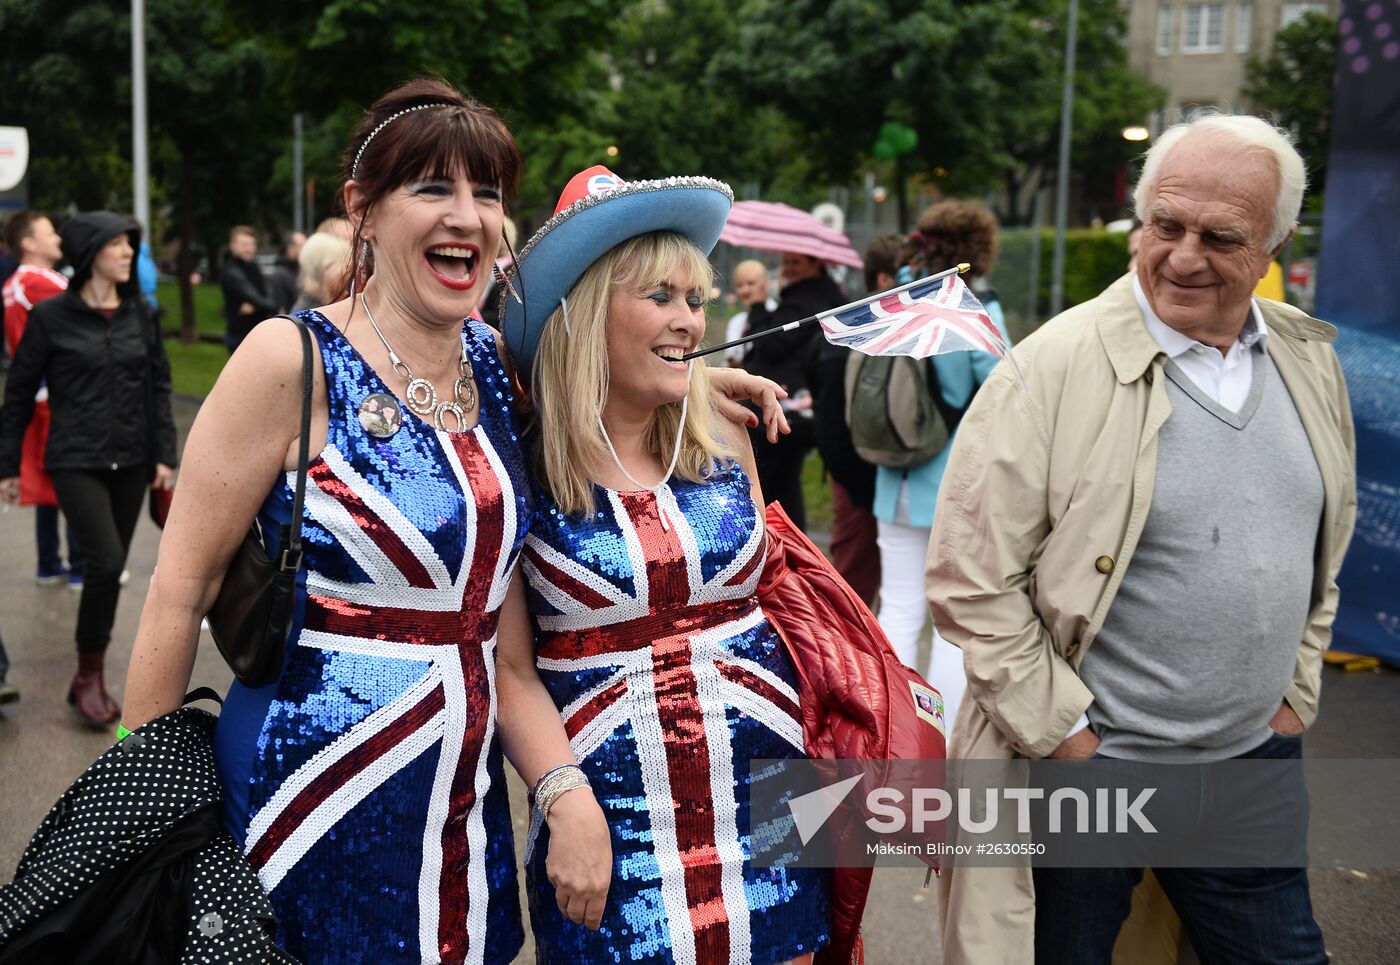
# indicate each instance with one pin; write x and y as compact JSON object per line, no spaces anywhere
{"x":1137,"y":548}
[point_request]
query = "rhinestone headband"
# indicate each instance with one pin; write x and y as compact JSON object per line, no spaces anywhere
{"x":355,"y":168}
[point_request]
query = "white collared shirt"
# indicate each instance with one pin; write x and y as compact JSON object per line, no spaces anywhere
{"x":1225,"y":378}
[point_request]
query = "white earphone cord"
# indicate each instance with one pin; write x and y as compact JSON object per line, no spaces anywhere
{"x":675,"y":449}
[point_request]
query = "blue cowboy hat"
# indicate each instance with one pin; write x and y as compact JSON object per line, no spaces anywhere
{"x":597,"y":212}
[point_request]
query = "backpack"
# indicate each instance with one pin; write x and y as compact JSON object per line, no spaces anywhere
{"x":891,"y":409}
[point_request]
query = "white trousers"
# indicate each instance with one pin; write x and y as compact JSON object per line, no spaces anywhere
{"x":904,"y":610}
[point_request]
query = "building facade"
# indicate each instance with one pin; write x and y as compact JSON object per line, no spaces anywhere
{"x":1197,"y":51}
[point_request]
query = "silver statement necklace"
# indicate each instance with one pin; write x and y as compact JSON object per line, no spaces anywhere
{"x":421,"y":396}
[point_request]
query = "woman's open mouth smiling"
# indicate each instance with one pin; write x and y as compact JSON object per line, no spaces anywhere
{"x":454,"y":265}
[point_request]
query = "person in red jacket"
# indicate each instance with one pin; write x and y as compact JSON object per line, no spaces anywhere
{"x":31,"y":238}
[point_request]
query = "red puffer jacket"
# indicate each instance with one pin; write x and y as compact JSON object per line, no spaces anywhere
{"x":856,"y":699}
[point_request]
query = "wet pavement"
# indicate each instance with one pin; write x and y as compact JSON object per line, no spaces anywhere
{"x":43,"y":747}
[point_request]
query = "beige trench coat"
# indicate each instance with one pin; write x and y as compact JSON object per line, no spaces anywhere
{"x":1044,"y":499}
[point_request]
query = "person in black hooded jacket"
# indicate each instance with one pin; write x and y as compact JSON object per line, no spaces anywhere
{"x":113,"y":432}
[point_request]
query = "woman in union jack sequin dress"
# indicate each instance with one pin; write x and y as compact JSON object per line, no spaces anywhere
{"x":365,"y":784}
{"x":643,"y":558}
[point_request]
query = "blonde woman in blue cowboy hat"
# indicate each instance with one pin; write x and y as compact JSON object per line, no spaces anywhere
{"x":644,"y":555}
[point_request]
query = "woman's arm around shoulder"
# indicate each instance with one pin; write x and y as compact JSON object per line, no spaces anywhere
{"x":244,"y":437}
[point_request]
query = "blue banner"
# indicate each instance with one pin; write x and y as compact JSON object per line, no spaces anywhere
{"x":1358,"y":290}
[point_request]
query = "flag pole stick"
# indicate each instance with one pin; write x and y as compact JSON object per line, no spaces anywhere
{"x":790,"y":326}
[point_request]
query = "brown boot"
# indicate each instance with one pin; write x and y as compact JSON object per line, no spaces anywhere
{"x":87,"y":693}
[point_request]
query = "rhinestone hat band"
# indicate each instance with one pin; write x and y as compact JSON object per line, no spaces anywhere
{"x":355,"y":168}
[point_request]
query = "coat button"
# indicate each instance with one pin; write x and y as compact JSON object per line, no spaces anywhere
{"x":1104,"y":564}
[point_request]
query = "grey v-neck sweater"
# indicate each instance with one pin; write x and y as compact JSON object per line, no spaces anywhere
{"x":1199,"y":646}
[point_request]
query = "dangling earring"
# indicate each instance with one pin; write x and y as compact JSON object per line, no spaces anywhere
{"x":358,"y":270}
{"x":503,"y":279}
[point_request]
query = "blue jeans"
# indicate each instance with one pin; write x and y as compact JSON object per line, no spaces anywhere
{"x":46,"y":540}
{"x":1238,"y":916}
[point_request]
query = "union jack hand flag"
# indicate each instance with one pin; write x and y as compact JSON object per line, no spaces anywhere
{"x":929,"y":317}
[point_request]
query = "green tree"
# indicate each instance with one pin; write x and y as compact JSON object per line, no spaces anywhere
{"x":1028,"y":71}
{"x":540,"y":63}
{"x":211,"y":145}
{"x":672,"y":117}
{"x":977,"y":80}
{"x":1294,"y":84}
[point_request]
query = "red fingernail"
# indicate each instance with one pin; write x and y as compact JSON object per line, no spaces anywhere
{"x":753,"y":421}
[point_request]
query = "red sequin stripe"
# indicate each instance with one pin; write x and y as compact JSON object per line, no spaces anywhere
{"x":487,"y":492}
{"x":577,"y":589}
{"x":368,"y":520}
{"x":425,"y":627}
{"x":753,"y":682}
{"x":635,"y":634}
{"x":489,"y":496}
{"x":586,"y":714}
{"x":668,"y":579}
{"x":338,"y":774}
{"x":688,"y":766}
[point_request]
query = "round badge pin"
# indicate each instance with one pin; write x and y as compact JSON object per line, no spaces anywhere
{"x":381,"y":415}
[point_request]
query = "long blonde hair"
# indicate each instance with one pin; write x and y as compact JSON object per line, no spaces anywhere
{"x":570,"y":382}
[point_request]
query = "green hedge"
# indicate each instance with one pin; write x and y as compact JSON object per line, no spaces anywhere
{"x":1094,"y":259}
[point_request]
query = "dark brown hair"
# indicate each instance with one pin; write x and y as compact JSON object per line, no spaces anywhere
{"x":242,"y":229}
{"x":463,"y":136}
{"x":19,"y":226}
{"x":882,"y":256}
{"x":951,"y":232}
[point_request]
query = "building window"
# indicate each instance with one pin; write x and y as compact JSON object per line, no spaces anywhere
{"x":1165,"y":20}
{"x":1205,"y":28}
{"x":1244,"y":23}
{"x":1294,"y":10}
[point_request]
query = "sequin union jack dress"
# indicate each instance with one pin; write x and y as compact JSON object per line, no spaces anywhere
{"x":365,"y":785}
{"x":670,"y":681}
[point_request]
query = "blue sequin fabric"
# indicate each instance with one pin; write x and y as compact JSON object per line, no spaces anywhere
{"x":670,"y":681}
{"x":365,"y":784}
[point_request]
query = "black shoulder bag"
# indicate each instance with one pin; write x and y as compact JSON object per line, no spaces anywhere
{"x":253,"y":612}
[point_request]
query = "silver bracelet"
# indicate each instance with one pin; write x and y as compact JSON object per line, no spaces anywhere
{"x":555,"y":783}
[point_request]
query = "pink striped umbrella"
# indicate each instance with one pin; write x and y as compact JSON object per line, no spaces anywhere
{"x":769,"y":226}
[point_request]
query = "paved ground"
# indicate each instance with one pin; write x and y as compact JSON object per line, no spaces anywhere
{"x":42,"y":748}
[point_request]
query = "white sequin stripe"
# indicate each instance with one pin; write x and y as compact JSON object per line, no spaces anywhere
{"x":388,"y":597}
{"x":636,"y":555}
{"x":705,"y":647}
{"x":344,"y":799}
{"x":765,"y":712}
{"x":666,"y":503}
{"x":439,"y":807}
{"x":631,"y":659}
{"x":656,"y":785}
{"x":369,"y":647}
{"x":576,"y":570}
{"x":716,"y":588}
{"x":357,"y":542}
{"x":600,"y":728}
{"x":500,"y":578}
{"x":478,"y":885}
{"x":576,"y":615}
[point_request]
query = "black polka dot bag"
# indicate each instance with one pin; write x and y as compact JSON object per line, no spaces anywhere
{"x":132,"y":864}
